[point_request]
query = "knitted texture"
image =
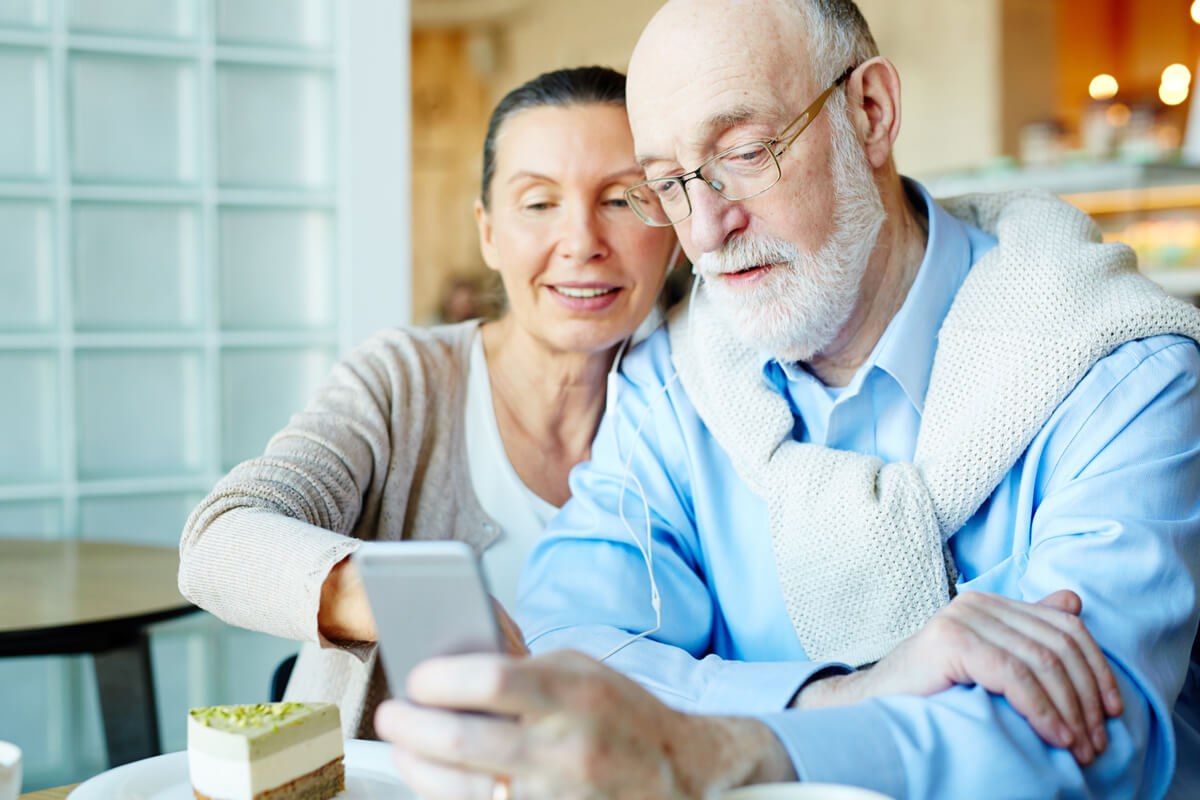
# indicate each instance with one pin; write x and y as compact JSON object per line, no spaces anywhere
{"x":378,"y":453}
{"x":859,"y":544}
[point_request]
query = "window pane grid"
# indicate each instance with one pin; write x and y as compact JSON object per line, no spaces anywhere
{"x":100,"y":329}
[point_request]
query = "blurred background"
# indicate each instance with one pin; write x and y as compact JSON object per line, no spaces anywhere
{"x":204,"y":202}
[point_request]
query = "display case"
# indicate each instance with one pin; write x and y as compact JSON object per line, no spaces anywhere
{"x":1153,"y":208}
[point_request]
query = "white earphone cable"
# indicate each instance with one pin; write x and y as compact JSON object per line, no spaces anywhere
{"x":647,"y":549}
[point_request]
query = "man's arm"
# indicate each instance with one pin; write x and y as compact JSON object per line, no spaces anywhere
{"x":1116,"y":520}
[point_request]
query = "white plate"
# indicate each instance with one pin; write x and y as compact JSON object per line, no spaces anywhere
{"x":369,"y":776}
{"x":802,"y":791}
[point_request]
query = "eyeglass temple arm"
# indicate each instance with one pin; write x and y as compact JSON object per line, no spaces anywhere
{"x":808,"y":114}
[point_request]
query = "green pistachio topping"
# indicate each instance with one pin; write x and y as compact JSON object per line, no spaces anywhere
{"x":258,"y":715}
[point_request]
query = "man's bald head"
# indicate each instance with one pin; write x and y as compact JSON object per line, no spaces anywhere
{"x":815,"y":39}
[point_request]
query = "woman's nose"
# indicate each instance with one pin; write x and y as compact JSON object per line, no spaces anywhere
{"x":583,"y":238}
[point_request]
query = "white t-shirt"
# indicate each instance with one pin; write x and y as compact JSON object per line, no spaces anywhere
{"x":521,"y":514}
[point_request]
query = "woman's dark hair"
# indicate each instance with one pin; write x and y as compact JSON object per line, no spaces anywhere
{"x":562,"y":87}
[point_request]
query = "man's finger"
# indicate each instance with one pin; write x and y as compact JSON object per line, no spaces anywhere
{"x":461,"y":741}
{"x":1063,"y":600}
{"x":1063,"y":672}
{"x":1089,"y":669}
{"x":1003,"y":662}
{"x":432,"y":781}
{"x":1070,"y":624}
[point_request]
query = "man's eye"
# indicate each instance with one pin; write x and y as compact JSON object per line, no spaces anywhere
{"x":616,"y":202}
{"x":665,"y":189}
{"x":751,"y":156}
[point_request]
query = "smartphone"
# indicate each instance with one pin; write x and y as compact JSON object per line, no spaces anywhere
{"x":429,"y":599}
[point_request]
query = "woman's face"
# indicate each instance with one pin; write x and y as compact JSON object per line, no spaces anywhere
{"x":580,"y":269}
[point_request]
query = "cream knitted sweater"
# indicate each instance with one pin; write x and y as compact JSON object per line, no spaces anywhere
{"x":859,"y":544}
{"x":379,"y":453}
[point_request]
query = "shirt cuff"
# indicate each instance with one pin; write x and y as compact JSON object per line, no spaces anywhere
{"x":748,"y":688}
{"x":847,"y":744}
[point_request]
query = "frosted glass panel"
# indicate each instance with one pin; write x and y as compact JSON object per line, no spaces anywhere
{"x":26,"y":268}
{"x":250,"y":662}
{"x":285,"y":23}
{"x":133,"y":120}
{"x":168,"y":18}
{"x":23,"y":13}
{"x":29,"y":418}
{"x":180,"y":662}
{"x":276,"y":269}
{"x":274,"y":128}
{"x":93,"y":754}
{"x":260,"y":390}
{"x":135,"y":266}
{"x":25,"y":98}
{"x":138,"y":413}
{"x":25,"y":519}
{"x":33,"y":714}
{"x":155,"y":519}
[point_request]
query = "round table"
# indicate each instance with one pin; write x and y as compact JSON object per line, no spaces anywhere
{"x":72,"y":597}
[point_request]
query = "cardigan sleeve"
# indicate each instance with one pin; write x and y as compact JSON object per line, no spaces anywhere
{"x":256,"y":551}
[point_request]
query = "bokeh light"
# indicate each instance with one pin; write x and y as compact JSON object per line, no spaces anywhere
{"x":1172,"y":96}
{"x":1118,"y":113}
{"x":1176,"y":77}
{"x":1104,"y":87}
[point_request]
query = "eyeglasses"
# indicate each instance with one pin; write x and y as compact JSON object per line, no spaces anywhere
{"x":738,"y":173}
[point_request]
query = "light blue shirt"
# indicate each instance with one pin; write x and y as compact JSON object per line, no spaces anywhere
{"x":1106,"y":502}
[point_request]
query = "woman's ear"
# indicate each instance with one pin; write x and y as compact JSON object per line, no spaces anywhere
{"x":487,"y":245}
{"x":873,"y":99}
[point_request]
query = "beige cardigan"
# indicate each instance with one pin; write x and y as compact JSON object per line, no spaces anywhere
{"x":379,"y":453}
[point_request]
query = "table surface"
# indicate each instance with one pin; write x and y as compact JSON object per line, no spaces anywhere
{"x":50,"y":794}
{"x":55,"y":584}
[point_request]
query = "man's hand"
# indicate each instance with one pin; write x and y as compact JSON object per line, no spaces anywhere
{"x":563,"y":725}
{"x":1038,"y":655}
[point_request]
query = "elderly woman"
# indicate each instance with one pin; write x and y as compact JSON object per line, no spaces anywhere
{"x":460,"y":432}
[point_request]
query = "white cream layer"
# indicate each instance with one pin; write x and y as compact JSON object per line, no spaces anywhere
{"x":240,"y":779}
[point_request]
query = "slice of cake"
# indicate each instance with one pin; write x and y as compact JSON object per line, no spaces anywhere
{"x":268,"y":751}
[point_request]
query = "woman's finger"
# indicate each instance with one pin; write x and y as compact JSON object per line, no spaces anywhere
{"x":514,"y":640}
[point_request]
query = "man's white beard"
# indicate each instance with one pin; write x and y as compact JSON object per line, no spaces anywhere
{"x":797,"y":309}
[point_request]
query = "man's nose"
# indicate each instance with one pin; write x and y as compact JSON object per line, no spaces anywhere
{"x":714,"y":219}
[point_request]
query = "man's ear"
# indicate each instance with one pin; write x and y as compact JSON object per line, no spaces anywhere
{"x":873,"y":99}
{"x":487,"y":245}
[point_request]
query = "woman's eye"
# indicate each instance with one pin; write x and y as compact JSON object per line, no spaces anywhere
{"x":616,"y":202}
{"x":541,"y":205}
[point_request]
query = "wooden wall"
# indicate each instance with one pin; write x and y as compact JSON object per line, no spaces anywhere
{"x":974,"y":73}
{"x":450,"y":106}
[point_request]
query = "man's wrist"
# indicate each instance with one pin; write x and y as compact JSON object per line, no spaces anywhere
{"x":829,"y":689}
{"x":718,"y":753}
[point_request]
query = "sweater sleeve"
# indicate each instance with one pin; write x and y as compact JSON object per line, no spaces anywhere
{"x":256,"y":551}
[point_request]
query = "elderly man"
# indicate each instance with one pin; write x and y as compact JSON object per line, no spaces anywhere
{"x":872,"y":403}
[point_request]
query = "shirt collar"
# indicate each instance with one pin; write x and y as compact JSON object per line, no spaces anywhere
{"x":907,"y":347}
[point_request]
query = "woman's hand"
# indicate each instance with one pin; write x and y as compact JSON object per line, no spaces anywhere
{"x":1038,"y":655}
{"x":514,"y":640}
{"x":560,"y":726}
{"x":345,"y":615}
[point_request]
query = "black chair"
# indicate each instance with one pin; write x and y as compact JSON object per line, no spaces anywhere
{"x":283,"y":674}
